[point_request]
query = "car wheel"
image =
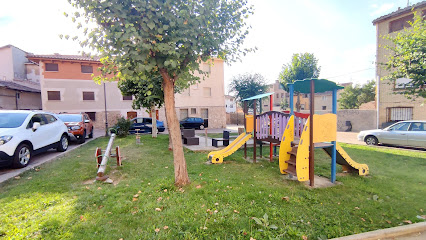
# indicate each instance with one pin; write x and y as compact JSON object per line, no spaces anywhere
{"x":91,"y":133}
{"x":63,"y":144}
{"x":22,"y":156}
{"x":201,"y":127}
{"x":371,"y":140}
{"x":82,"y":138}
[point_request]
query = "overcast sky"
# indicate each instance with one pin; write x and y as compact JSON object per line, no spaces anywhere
{"x":340,"y":33}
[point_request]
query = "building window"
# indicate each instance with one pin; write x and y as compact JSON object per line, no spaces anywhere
{"x":183,"y":113}
{"x":193,"y":111}
{"x":282,"y":95}
{"x":52,"y":67}
{"x":207,"y":92}
{"x":324,"y":98}
{"x":324,"y":107}
{"x":92,"y":115}
{"x":53,"y":95}
{"x":88,"y":96}
{"x":399,"y":114}
{"x":195,"y":86}
{"x":278,"y":95}
{"x":206,"y":68}
{"x":402,"y":83}
{"x":86,"y":69}
{"x":127,"y":98}
{"x":204,"y":113}
{"x":302,"y":106}
{"x":231,"y":106}
{"x":399,"y":24}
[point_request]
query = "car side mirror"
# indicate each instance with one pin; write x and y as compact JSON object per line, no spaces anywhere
{"x":36,"y":125}
{"x":86,"y":121}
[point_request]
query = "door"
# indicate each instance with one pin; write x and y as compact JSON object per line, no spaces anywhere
{"x":131,"y":115}
{"x":396,"y":134}
{"x":416,"y":135}
{"x":40,"y":137}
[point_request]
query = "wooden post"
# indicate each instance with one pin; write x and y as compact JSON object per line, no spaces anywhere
{"x":118,"y":156}
{"x":245,"y":128}
{"x":270,"y":127}
{"x":311,"y":135}
{"x":98,"y":155}
{"x":254,"y":128}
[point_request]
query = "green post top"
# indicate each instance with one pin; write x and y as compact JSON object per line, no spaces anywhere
{"x":321,"y":85}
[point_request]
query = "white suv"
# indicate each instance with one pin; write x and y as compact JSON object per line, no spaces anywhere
{"x":25,"y":133}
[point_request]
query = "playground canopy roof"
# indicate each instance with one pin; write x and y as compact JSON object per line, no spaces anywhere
{"x":321,"y":85}
{"x":258,"y":96}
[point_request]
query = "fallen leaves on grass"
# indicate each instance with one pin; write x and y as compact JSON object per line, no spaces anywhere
{"x":235,"y":211}
{"x":82,"y":218}
{"x":18,"y":177}
{"x":166,"y":227}
{"x":159,"y":199}
{"x":198,"y":186}
{"x":363,"y":219}
{"x":158,"y":209}
{"x":157,"y":230}
{"x":304,"y":237}
{"x":407,"y":221}
{"x":286,"y":198}
{"x":136,"y":195}
{"x":134,"y":199}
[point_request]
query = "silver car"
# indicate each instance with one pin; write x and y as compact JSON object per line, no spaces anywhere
{"x":406,"y":133}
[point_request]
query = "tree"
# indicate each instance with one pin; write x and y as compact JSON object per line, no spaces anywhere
{"x":248,"y":85}
{"x":302,"y":66}
{"x":353,"y":97}
{"x":167,"y":37}
{"x":147,"y":94}
{"x":408,"y":58}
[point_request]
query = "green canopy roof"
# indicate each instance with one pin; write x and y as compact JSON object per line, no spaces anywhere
{"x":258,"y":96}
{"x":321,"y":85}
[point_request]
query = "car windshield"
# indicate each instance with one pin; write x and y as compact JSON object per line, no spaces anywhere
{"x":12,"y":120}
{"x":70,"y":117}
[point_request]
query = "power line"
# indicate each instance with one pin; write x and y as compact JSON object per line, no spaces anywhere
{"x":351,"y":72}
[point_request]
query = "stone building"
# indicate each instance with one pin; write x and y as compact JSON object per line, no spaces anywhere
{"x":395,"y":107}
{"x":67,"y":86}
{"x":19,"y":80}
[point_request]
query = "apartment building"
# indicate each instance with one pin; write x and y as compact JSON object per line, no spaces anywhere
{"x":19,"y":80}
{"x":67,"y":86}
{"x":395,"y":107}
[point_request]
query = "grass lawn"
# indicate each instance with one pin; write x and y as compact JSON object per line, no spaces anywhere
{"x":60,"y":201}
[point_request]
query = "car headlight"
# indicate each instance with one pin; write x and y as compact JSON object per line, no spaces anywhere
{"x":75,"y":127}
{"x":5,"y":139}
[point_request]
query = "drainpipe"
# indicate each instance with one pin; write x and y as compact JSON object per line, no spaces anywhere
{"x":377,"y":101}
{"x":106,"y":116}
{"x":16,"y":99}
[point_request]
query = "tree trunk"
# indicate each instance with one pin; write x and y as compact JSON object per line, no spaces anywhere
{"x":154,"y":121}
{"x":181,"y":173}
{"x":298,"y":107}
{"x":170,"y":139}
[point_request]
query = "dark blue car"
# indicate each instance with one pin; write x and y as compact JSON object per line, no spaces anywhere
{"x":192,"y":122}
{"x":144,"y":125}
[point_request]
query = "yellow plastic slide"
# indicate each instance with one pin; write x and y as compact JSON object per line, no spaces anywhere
{"x":217,"y":156}
{"x":346,"y":161}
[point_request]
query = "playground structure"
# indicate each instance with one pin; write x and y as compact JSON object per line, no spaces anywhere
{"x":292,"y":131}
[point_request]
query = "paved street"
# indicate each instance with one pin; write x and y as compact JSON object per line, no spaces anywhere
{"x":7,"y":172}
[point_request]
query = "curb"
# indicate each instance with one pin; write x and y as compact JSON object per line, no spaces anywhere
{"x":388,"y":232}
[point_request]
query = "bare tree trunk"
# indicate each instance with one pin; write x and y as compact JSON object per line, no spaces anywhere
{"x":181,"y":173}
{"x":154,"y":121}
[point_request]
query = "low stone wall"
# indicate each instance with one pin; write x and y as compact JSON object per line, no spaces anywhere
{"x":99,"y":123}
{"x":360,"y":119}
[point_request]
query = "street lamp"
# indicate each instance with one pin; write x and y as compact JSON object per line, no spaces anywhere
{"x":106,"y":114}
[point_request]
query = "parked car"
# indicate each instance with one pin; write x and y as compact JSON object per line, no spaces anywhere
{"x":79,"y":125}
{"x":26,"y":133}
{"x":192,"y":122}
{"x":144,"y":125}
{"x":405,"y":133}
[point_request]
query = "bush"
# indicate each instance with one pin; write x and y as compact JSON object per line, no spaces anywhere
{"x":122,"y":127}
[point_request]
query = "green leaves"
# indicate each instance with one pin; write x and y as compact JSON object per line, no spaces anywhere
{"x":408,"y":58}
{"x":353,"y":96}
{"x":248,"y":85}
{"x":302,"y":66}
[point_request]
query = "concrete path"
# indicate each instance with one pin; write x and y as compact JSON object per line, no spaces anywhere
{"x":7,"y":172}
